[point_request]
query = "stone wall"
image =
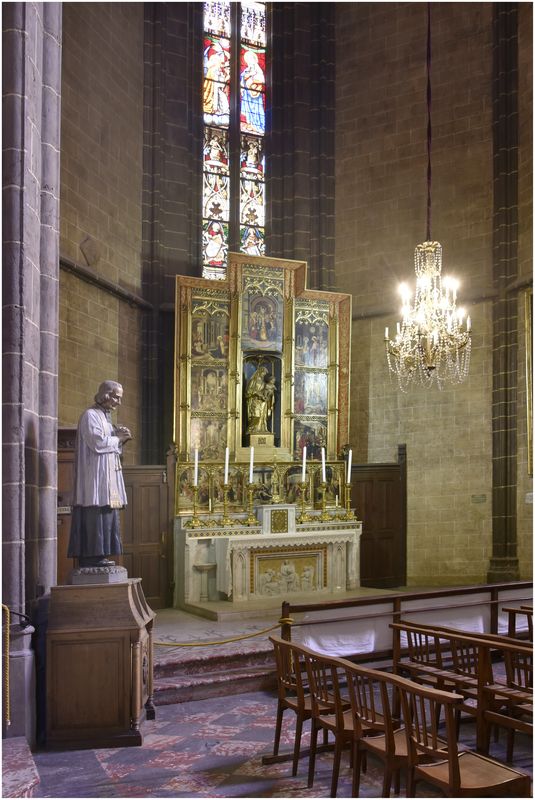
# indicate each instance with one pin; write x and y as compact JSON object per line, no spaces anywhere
{"x":101,"y":183}
{"x":381,"y":216}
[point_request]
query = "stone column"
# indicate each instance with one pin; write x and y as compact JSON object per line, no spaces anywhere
{"x":31,"y":106}
{"x":504,"y":560}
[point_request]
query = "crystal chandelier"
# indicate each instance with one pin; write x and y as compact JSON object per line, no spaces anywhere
{"x":433,"y":341}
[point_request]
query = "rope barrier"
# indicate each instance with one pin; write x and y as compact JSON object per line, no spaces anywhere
{"x":222,"y":641}
{"x":7,"y":712}
{"x":286,"y":621}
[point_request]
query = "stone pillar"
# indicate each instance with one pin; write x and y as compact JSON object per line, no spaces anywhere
{"x":31,"y":121}
{"x":504,"y":560}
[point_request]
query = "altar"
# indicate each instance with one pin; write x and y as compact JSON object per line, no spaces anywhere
{"x":276,"y":558}
{"x":261,"y":432}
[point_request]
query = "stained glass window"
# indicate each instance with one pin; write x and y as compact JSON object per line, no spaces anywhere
{"x":234,"y":108}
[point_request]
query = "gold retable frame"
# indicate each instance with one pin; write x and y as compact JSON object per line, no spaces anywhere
{"x":261,"y":315}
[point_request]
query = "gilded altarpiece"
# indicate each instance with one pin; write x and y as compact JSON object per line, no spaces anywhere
{"x":261,"y":363}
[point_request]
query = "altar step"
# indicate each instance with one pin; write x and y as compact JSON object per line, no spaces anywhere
{"x":201,"y":676}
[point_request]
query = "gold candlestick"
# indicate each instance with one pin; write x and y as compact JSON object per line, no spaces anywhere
{"x":303,"y":516}
{"x":349,"y":511}
{"x":226,"y":520}
{"x":324,"y":515}
{"x":251,"y":519}
{"x":194,"y":522}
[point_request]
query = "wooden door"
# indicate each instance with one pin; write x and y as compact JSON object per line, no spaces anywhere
{"x":379,"y":497}
{"x":146,"y":532}
{"x":146,"y":524}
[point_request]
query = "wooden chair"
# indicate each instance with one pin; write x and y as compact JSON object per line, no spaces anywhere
{"x":512,"y":615}
{"x":456,"y":773}
{"x":292,"y":692}
{"x":375,"y":728}
{"x":330,"y":709}
{"x":516,"y":697}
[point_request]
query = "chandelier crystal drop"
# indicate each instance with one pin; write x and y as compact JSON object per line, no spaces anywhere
{"x":433,"y":340}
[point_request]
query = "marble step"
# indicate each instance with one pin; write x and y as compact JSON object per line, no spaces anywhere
{"x":230,"y":681}
{"x":211,"y":672}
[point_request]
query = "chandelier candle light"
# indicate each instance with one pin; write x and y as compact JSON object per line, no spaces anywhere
{"x":433,"y":341}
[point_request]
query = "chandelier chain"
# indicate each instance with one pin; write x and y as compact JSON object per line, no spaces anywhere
{"x":429,"y":128}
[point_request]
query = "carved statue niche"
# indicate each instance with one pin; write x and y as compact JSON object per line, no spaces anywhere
{"x":261,"y":409}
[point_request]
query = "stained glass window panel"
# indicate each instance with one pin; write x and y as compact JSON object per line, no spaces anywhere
{"x":215,"y":243}
{"x":216,"y":150}
{"x":216,"y":91}
{"x":252,"y":94}
{"x":252,"y":241}
{"x":215,"y":196}
{"x":253,"y":23}
{"x":252,"y":157}
{"x":252,"y":203}
{"x":217,"y":18}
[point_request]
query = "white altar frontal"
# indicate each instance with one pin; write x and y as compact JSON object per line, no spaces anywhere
{"x":278,"y":557}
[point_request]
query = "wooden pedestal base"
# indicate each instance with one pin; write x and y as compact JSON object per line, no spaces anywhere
{"x":99,"y":665}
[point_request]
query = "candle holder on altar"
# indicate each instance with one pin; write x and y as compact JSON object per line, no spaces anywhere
{"x":225,"y":520}
{"x":251,"y":518}
{"x":324,"y":516}
{"x":349,"y":514}
{"x":194,"y":522}
{"x":303,"y":516}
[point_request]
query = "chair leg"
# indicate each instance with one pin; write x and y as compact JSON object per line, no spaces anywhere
{"x":312,"y":759}
{"x":387,"y":781}
{"x":336,"y":765}
{"x":278,"y":729}
{"x":357,"y":759}
{"x":410,"y":783}
{"x":397,"y":781}
{"x":297,"y":743}
{"x":510,"y":744}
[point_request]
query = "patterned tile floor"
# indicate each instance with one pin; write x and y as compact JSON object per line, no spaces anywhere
{"x":213,"y":748}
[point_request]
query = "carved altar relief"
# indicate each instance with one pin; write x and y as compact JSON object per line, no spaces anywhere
{"x":280,"y":573}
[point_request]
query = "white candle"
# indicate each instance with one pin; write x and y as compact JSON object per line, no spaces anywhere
{"x":323,"y":476}
{"x":196,"y":468}
{"x":251,"y":462}
{"x":336,"y":501}
{"x":226,"y":465}
{"x":386,"y":333}
{"x":304,"y":470}
{"x":349,"y":458}
{"x":468,"y":323}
